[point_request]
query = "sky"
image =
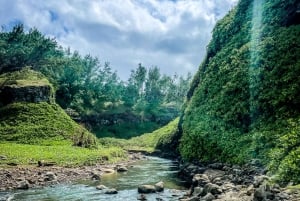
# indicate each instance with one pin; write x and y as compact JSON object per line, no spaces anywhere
{"x":169,"y":34}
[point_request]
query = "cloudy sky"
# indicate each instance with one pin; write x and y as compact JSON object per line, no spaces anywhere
{"x":170,"y":34}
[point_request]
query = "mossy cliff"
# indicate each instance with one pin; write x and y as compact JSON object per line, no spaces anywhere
{"x":28,"y":113}
{"x":244,"y":100}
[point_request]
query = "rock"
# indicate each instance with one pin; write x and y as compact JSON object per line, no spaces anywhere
{"x":12,"y":164}
{"x":159,"y":187}
{"x":142,"y":197}
{"x":96,"y":176}
{"x":50,"y":176}
{"x":260,"y":193}
{"x":250,"y":190}
{"x":194,"y":198}
{"x":23,"y":185}
{"x":101,"y":187}
{"x":259,"y":180}
{"x":146,"y":189}
{"x":200,"y":180}
{"x":212,"y":188}
{"x":107,"y":171}
{"x":198,"y":191}
{"x":122,"y":169}
{"x":208,"y":197}
{"x":43,"y":163}
{"x":111,"y":191}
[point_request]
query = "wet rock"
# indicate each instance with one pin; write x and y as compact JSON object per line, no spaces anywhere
{"x":96,"y":176}
{"x":141,"y":197}
{"x":208,"y":197}
{"x":101,"y":187}
{"x":111,"y":191}
{"x":108,"y":171}
{"x":146,"y":189}
{"x":23,"y":185}
{"x":159,"y":187}
{"x":122,"y":169}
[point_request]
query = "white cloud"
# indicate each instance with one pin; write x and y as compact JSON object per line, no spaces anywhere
{"x":169,"y":34}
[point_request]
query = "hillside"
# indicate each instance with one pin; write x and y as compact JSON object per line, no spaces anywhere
{"x":28,"y":113}
{"x":244,"y":100}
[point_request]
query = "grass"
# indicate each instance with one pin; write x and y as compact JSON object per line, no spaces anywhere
{"x":62,"y":153}
{"x":24,"y":77}
{"x":146,"y":142}
{"x":31,"y":123}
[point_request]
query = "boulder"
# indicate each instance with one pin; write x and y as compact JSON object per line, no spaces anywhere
{"x":111,"y":191}
{"x":101,"y":187}
{"x":96,"y":176}
{"x":198,"y":191}
{"x":146,"y":189}
{"x":213,"y":189}
{"x":159,"y":187}
{"x":23,"y":185}
{"x":50,"y":176}
{"x":108,"y":171}
{"x":122,"y":169}
{"x":200,"y":180}
{"x":142,"y":197}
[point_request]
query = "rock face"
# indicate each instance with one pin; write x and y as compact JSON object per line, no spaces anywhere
{"x":32,"y":94}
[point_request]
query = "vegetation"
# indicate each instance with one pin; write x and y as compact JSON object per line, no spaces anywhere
{"x":147,"y":142}
{"x":243,"y":101}
{"x":60,"y":152}
{"x":92,"y":91}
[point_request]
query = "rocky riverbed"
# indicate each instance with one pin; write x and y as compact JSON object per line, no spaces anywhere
{"x":25,"y":177}
{"x":223,"y":182}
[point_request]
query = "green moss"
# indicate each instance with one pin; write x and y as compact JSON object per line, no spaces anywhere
{"x":31,"y":123}
{"x":24,"y":77}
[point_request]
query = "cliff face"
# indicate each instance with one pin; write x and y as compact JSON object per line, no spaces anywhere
{"x":30,"y":94}
{"x":244,"y":100}
{"x":25,"y":86}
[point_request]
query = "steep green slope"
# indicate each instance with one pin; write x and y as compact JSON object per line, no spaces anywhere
{"x":244,"y":100}
{"x":38,"y":121}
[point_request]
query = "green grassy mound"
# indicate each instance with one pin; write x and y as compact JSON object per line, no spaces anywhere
{"x":32,"y":123}
{"x":147,"y":142}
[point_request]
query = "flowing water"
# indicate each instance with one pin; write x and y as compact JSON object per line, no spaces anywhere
{"x":148,"y":171}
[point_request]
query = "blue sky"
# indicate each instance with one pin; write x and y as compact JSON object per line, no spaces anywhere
{"x":172,"y":35}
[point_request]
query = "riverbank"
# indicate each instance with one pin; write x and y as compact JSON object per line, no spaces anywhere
{"x":224,"y":182}
{"x":46,"y":174}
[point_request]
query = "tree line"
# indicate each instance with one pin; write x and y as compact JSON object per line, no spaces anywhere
{"x":87,"y":88}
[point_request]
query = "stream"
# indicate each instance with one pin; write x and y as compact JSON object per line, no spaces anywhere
{"x":148,"y":171}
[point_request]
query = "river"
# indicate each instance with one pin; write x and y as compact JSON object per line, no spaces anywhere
{"x":148,"y":171}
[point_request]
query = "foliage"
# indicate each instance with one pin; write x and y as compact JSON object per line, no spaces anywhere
{"x":243,"y":101}
{"x":148,"y":141}
{"x":63,"y":153}
{"x":30,"y":123}
{"x":85,"y":85}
